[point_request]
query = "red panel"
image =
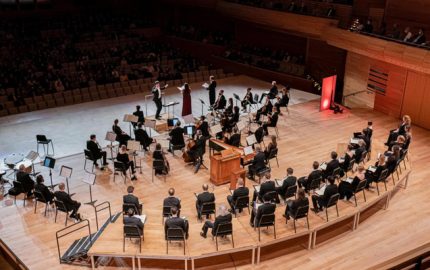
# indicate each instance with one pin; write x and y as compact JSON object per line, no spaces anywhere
{"x":328,"y":91}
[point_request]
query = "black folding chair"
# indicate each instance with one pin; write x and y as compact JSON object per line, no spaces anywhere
{"x":158,"y":164}
{"x":89,"y":156}
{"x":38,"y":197}
{"x":273,"y":154}
{"x":332,"y":202}
{"x":223,"y":230}
{"x":175,"y":234}
{"x":360,"y":187}
{"x":132,"y":231}
{"x":60,"y":206}
{"x":128,"y":206}
{"x":382,"y":178}
{"x":350,"y":166}
{"x":272,"y":196}
{"x":266,"y":221}
{"x":119,"y":166}
{"x":167,"y":212}
{"x":240,"y":203}
{"x":301,"y":212}
{"x":290,"y":192}
{"x":206,"y":209}
{"x":315,"y":183}
{"x":41,"y":139}
{"x":17,"y":190}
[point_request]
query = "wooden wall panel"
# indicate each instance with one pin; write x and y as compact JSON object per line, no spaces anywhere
{"x":416,"y":99}
{"x":414,"y":13}
{"x":424,"y":119}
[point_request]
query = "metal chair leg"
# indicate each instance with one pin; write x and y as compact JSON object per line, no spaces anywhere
{"x":274,"y":229}
{"x":337,"y":210}
{"x":46,"y":208}
{"x":364,"y":195}
{"x":35,"y":205}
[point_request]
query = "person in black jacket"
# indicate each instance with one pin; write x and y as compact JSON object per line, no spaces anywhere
{"x":212,"y":90}
{"x":24,"y":178}
{"x":172,"y":201}
{"x":198,"y":150}
{"x":272,"y":120}
{"x":71,"y":205}
{"x":142,"y":136}
{"x":374,"y":176}
{"x":346,"y":189}
{"x":258,"y":163}
{"x":240,"y":191}
{"x":321,"y":201}
{"x":248,"y":99}
{"x":359,"y":152}
{"x":229,"y":109}
{"x":220,"y":102}
{"x":267,"y":186}
{"x":204,"y":127}
{"x":234,"y":139}
{"x":158,"y":154}
{"x":40,"y":186}
{"x":284,"y":100}
{"x":130,"y":219}
{"x":176,"y":222}
{"x":305,"y":182}
{"x":291,"y":206}
{"x":139,"y":114}
{"x":131,"y":199}
{"x":331,"y":165}
{"x":202,"y":198}
{"x":349,"y":155}
{"x":122,"y":156}
{"x":176,"y":137}
{"x":265,"y":109}
{"x":266,"y":208}
{"x":223,"y":217}
{"x":156,"y":90}
{"x":95,"y":149}
{"x":121,"y":136}
{"x":289,"y":181}
{"x":259,"y":134}
{"x":273,"y":92}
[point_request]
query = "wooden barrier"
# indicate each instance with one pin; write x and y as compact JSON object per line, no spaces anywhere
{"x":333,"y":229}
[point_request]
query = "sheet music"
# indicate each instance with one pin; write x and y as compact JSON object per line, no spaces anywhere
{"x":205,"y":85}
{"x":216,"y":129}
{"x":341,"y":160}
{"x":354,"y":141}
{"x":133,"y":145}
{"x":130,"y":118}
{"x":32,"y":155}
{"x":231,"y":191}
{"x":248,"y":150}
{"x":323,"y":166}
{"x":188,"y":119}
{"x":257,"y":205}
{"x":241,"y":125}
{"x":321,"y":191}
{"x":257,"y":188}
{"x":110,"y":136}
{"x":349,"y":180}
{"x":372,"y":168}
{"x":150,"y":123}
{"x":164,"y":143}
{"x":141,"y":217}
{"x":279,"y":182}
{"x":90,"y":178}
{"x":66,"y":171}
{"x":181,"y":88}
{"x":251,"y":140}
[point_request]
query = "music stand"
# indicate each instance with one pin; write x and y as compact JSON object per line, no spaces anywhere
{"x":90,"y":179}
{"x":203,"y":103}
{"x":134,"y":146}
{"x":236,"y":97}
{"x":251,"y":140}
{"x":111,"y":137}
{"x":32,"y":156}
{"x":150,"y":124}
{"x":130,"y":118}
{"x":49,"y":162}
{"x":67,"y":173}
{"x":170,"y":104}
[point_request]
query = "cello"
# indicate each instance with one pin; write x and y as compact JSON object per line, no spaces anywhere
{"x":185,"y":155}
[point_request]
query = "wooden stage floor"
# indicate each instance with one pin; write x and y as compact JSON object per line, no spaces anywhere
{"x":305,"y":135}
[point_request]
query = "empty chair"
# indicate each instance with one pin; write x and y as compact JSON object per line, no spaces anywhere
{"x":223,"y":230}
{"x":332,"y":202}
{"x":41,"y":139}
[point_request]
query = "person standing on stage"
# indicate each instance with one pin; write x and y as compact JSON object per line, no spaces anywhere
{"x":186,"y":100}
{"x":212,"y":90}
{"x":156,"y":90}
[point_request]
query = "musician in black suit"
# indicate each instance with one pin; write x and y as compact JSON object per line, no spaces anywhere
{"x":131,"y":199}
{"x":40,"y":186}
{"x":265,"y":109}
{"x":156,"y":90}
{"x":258,"y":163}
{"x":374,"y":176}
{"x":121,"y":136}
{"x":223,"y":217}
{"x":212,"y":90}
{"x":220,"y":102}
{"x":273,"y":92}
{"x":266,"y":208}
{"x":284,"y":100}
{"x":172,"y":201}
{"x":234,"y":139}
{"x":24,"y":178}
{"x":272,"y":120}
{"x":198,"y":150}
{"x":123,"y":157}
{"x":247,"y":99}
{"x":95,"y":149}
{"x":202,"y":198}
{"x":159,"y":155}
{"x":360,"y":150}
{"x":229,"y":109}
{"x":176,"y":137}
{"x":291,"y":206}
{"x":289,"y":181}
{"x":259,"y":134}
{"x":406,"y":121}
{"x":130,"y":219}
{"x":240,"y":191}
{"x":204,"y":127}
{"x":267,"y":186}
{"x":142,"y":136}
{"x":331,"y":165}
{"x":71,"y":205}
{"x":176,"y":222}
{"x":139,"y":114}
{"x":305,"y":182}
{"x":234,"y":118}
{"x":321,"y":201}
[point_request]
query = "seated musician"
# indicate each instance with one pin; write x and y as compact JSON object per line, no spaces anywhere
{"x":349,"y":155}
{"x":305,"y":182}
{"x":271,"y":121}
{"x":223,"y":217}
{"x":346,"y":189}
{"x":374,"y":176}
{"x":176,"y":137}
{"x":24,"y":178}
{"x":203,"y":126}
{"x":331,"y":165}
{"x":289,"y":181}
{"x":40,"y":186}
{"x":291,"y":206}
{"x":234,"y":139}
{"x":229,"y":109}
{"x":130,"y":219}
{"x":95,"y":149}
{"x":139,"y":114}
{"x":159,"y":155}
{"x":240,"y":191}
{"x":320,"y":201}
{"x":176,"y":222}
{"x":393,"y":158}
{"x":266,"y":186}
{"x":142,"y":136}
{"x":131,"y":199}
{"x":406,"y":121}
{"x":247,"y":99}
{"x":265,"y":109}
{"x":220,"y":101}
{"x":272,"y":145}
{"x":123,"y":157}
{"x":273,"y":92}
{"x":266,"y":208}
{"x":400,"y":141}
{"x":121,"y":136}
{"x":173,"y":201}
{"x":234,"y":118}
{"x":258,"y":164}
{"x":71,"y":205}
{"x":259,"y":134}
{"x":198,"y":150}
{"x":284,"y":100}
{"x":202,"y":198}
{"x":360,"y":151}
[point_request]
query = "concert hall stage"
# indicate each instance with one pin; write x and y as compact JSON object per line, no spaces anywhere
{"x":305,"y":135}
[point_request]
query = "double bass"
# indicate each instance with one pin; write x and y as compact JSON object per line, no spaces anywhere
{"x":185,"y":155}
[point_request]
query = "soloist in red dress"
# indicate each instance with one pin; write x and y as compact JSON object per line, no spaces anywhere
{"x":186,"y":102}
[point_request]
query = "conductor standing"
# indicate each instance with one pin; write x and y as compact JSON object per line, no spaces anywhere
{"x":156,"y":90}
{"x":212,"y":90}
